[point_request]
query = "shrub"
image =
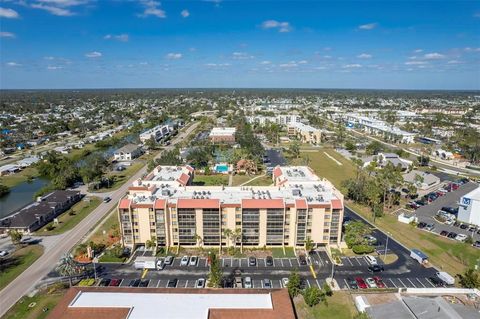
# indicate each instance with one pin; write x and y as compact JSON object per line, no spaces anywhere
{"x":50,"y":227}
{"x":312,"y":296}
{"x":362,"y":249}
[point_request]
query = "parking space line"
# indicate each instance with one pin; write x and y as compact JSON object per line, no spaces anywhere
{"x":392,"y":282}
{"x":262,"y":283}
{"x":359,"y":263}
{"x":231,"y":262}
{"x":290,"y":260}
{"x":308,"y":282}
{"x":351,"y":264}
{"x":421,"y":283}
{"x":206,"y":262}
{"x":280,"y":282}
{"x":428,"y":280}
{"x":274,"y":264}
{"x":223,"y":262}
{"x":158,"y":283}
{"x":404,"y":286}
{"x":186,"y":283}
{"x":411,"y":282}
{"x":320,"y":258}
{"x":318,"y":284}
{"x":346,"y":283}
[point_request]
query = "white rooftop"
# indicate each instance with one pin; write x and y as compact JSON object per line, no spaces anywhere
{"x":221,"y":131}
{"x":171,"y":305}
{"x":474,"y":195}
{"x":303,"y":127}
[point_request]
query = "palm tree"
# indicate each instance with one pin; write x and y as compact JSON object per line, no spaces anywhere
{"x":199,"y":240}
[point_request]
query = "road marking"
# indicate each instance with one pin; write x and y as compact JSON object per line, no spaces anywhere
{"x":318,"y":284}
{"x":158,"y":283}
{"x":231,"y":262}
{"x":186,"y":284}
{"x":392,"y":283}
{"x":320,"y":258}
{"x":282,"y":262}
{"x":411,"y":282}
{"x":385,"y":284}
{"x":145,"y":271}
{"x":359,"y":263}
{"x":421,"y":283}
{"x":404,"y":286}
{"x":290,"y":261}
{"x":274,"y":263}
{"x":313,"y":272}
{"x":206,"y":262}
{"x":428,"y":280}
{"x":351,"y":264}
{"x":346,"y":283}
{"x":280,"y":282}
{"x":223,"y":262}
{"x":262,"y":284}
{"x":308,"y":282}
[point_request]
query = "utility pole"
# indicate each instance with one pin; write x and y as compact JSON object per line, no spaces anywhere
{"x":386,"y":248}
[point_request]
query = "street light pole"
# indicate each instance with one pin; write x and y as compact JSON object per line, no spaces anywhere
{"x":386,"y":249}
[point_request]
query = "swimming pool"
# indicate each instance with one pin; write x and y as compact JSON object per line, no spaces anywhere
{"x":221,"y":168}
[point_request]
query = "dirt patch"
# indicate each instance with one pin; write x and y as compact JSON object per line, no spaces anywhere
{"x":379,"y":299}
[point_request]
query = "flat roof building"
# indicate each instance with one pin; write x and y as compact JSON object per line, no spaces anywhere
{"x":304,"y":132}
{"x":180,"y":303}
{"x":223,"y":135}
{"x":163,"y":205}
{"x":469,"y":208}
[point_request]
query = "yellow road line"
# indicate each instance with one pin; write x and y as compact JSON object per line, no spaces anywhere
{"x":313,"y":272}
{"x":144,"y":273}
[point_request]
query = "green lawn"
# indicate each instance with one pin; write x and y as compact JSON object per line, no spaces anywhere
{"x":42,"y":300}
{"x":277,"y":252}
{"x":210,"y":180}
{"x":110,"y":258}
{"x":339,"y":306}
{"x":103,"y":232}
{"x":20,"y":177}
{"x":240,"y":179}
{"x":261,"y":181}
{"x":17,"y":262}
{"x":121,"y":177}
{"x":67,"y":221}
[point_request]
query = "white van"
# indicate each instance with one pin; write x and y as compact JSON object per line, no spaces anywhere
{"x":371,"y":260}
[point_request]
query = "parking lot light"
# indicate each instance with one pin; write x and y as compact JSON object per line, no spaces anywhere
{"x":386,"y":247}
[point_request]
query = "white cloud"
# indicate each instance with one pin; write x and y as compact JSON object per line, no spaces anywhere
{"x":352,"y":66}
{"x":265,"y":62}
{"x":274,"y":24}
{"x":241,"y":56}
{"x":8,"y":13}
{"x":364,"y":56}
{"x":185,"y":13}
{"x":291,"y":64}
{"x":418,"y":51}
{"x":120,"y":37}
{"x":174,"y":56}
{"x":368,"y":26}
{"x":53,"y":10}
{"x":217,"y":65}
{"x":93,"y":54}
{"x":433,"y":56}
{"x":4,"y":34}
{"x":13,"y":64}
{"x":143,"y":63}
{"x":468,"y":49}
{"x":54,"y":67}
{"x":152,"y":8}
{"x":416,"y":63}
{"x":302,"y":62}
{"x":454,"y":62}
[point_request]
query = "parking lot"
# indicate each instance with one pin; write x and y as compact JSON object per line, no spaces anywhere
{"x":427,"y":213}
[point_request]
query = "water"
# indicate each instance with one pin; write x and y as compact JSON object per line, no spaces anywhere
{"x":221,"y":168}
{"x":20,"y":195}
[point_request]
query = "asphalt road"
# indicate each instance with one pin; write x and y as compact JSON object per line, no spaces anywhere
{"x":31,"y":276}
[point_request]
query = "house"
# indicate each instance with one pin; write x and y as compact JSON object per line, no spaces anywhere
{"x":9,"y":169}
{"x":421,"y":180}
{"x":128,"y":152}
{"x":383,"y":158}
{"x":28,"y":161}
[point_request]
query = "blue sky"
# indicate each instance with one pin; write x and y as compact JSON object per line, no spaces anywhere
{"x":309,"y":44}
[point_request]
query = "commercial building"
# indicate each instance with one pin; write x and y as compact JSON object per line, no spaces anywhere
{"x":164,"y":206}
{"x":164,"y":303}
{"x":39,"y":213}
{"x":305,"y":133}
{"x":421,"y":180}
{"x":279,"y":119}
{"x":469,"y":208}
{"x":382,"y":159}
{"x":223,"y":135}
{"x":380,"y":128}
{"x":128,"y":152}
{"x":158,"y":132}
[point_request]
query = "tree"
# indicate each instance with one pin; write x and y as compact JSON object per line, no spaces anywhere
{"x":350,"y":146}
{"x":15,"y":236}
{"x":151,"y":243}
{"x":294,"y":284}
{"x":470,"y":278}
{"x":328,"y":291}
{"x":151,"y":143}
{"x":312,"y":296}
{"x":374,"y":148}
{"x":215,"y":274}
{"x":309,"y":245}
{"x":4,"y":190}
{"x":295,"y":149}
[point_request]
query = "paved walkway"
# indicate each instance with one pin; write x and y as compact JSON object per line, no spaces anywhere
{"x":57,"y":246}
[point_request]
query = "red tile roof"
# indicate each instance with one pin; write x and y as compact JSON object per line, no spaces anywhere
{"x":337,"y":204}
{"x":263,"y":203}
{"x":198,"y":203}
{"x":277,"y":171}
{"x":301,"y":204}
{"x":183,"y":179}
{"x":159,"y":204}
{"x":124,"y":203}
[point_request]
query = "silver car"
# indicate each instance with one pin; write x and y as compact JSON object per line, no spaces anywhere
{"x":184,"y":261}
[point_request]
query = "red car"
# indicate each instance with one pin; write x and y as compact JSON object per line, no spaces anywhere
{"x":361,"y":283}
{"x":115,"y":282}
{"x":379,"y":282}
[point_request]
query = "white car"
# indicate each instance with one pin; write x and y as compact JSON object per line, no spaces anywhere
{"x":193,"y":261}
{"x":248,"y":282}
{"x":160,"y":264}
{"x":461,"y":237}
{"x":200,"y":283}
{"x":3,"y":253}
{"x":184,"y":261}
{"x":285,"y":282}
{"x":371,"y":260}
{"x":371,"y":283}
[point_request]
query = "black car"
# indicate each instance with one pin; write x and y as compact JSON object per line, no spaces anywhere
{"x":252,"y":261}
{"x":375,"y":268}
{"x":463,"y":226}
{"x":172,"y":283}
{"x":134,"y":283}
{"x":452,"y":235}
{"x":456,"y":224}
{"x":436,"y":282}
{"x":144,"y":283}
{"x":302,"y":260}
{"x":104,"y":282}
{"x":476,"y":244}
{"x":269,"y":261}
{"x":352,"y":283}
{"x":421,"y":225}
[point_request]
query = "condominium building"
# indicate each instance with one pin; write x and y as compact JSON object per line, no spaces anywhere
{"x":222,"y":135}
{"x":165,"y":207}
{"x":158,"y":132}
{"x":304,"y":132}
{"x":279,"y":119}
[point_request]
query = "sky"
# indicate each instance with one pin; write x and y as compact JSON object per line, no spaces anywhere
{"x":57,"y":44}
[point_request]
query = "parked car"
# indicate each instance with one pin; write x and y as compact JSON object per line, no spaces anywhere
{"x":3,"y":253}
{"x":375,"y":268}
{"x":352,"y":283}
{"x":248,"y":282}
{"x":172,"y":283}
{"x":144,"y":283}
{"x":269,"y":261}
{"x":105,"y":282}
{"x":361,"y":283}
{"x":461,"y":237}
{"x":193,"y":261}
{"x":476,"y":244}
{"x":160,"y":264}
{"x":452,"y":235}
{"x":114,"y":282}
{"x":302,"y":260}
{"x":371,"y":283}
{"x":184,"y":261}
{"x":200,"y":283}
{"x":134,"y":283}
{"x":371,"y":260}
{"x":430,"y":227}
{"x":379,"y":282}
{"x":421,"y":225}
{"x":463,"y":226}
{"x":285,"y":282}
{"x":443,"y":233}
{"x":252,"y":261}
{"x":267,"y":284}
{"x":436,"y":281}
{"x":169,"y":260}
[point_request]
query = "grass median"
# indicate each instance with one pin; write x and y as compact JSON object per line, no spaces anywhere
{"x":339,"y":306}
{"x":13,"y":265}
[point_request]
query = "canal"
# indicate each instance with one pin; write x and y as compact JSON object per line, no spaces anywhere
{"x":20,"y":195}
